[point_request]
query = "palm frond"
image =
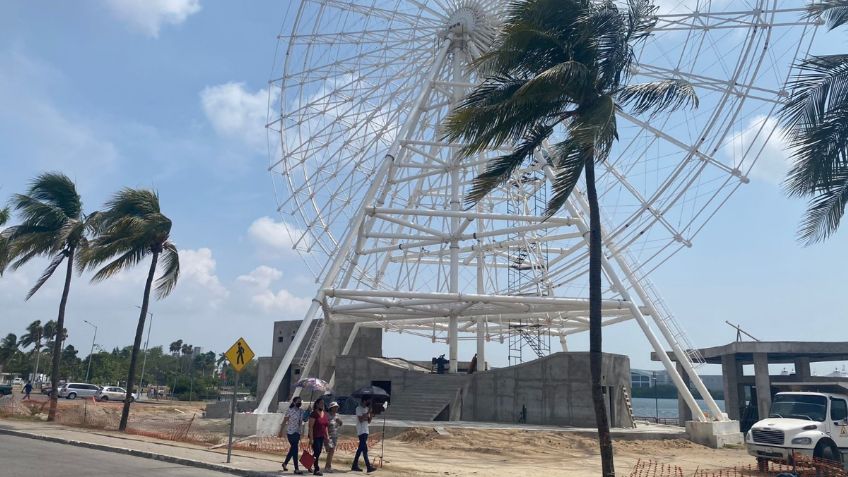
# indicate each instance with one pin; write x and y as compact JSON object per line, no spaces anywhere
{"x":833,"y":12}
{"x":562,"y":82}
{"x":46,"y":274}
{"x":57,"y":190}
{"x":569,"y":159}
{"x":825,"y":211}
{"x":658,"y":96}
{"x":641,"y":19}
{"x":594,"y":126}
{"x":171,"y":271}
{"x":127,"y":260}
{"x":818,"y":153}
{"x":821,"y":83}
{"x":498,"y":170}
{"x":4,"y":215}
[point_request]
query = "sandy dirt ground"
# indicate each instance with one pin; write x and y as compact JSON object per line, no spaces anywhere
{"x":467,"y":452}
{"x":472,"y":452}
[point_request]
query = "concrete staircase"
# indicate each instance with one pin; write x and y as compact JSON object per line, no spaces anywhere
{"x":426,"y":398}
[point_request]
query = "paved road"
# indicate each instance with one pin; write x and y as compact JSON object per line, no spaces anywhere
{"x":21,"y":457}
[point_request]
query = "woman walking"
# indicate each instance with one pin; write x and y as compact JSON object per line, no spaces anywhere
{"x":292,"y":423}
{"x":319,"y":422}
{"x":335,"y":423}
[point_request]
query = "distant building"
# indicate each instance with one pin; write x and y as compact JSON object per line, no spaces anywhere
{"x":646,"y":378}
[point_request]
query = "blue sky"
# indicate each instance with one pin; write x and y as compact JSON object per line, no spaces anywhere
{"x":172,"y":96}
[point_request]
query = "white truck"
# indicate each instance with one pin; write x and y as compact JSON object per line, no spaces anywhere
{"x":811,"y":420}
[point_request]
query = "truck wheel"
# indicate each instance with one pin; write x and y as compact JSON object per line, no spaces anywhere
{"x":826,"y":451}
{"x":762,"y":464}
{"x":104,"y":398}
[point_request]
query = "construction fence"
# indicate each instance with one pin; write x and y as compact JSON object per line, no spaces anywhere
{"x":91,"y":414}
{"x":803,"y":467}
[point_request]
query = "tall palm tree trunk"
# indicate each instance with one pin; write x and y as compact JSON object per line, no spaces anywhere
{"x":595,"y":338}
{"x":57,"y":342}
{"x":139,"y":331}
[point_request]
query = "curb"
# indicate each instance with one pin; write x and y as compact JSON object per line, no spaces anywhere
{"x":142,"y":454}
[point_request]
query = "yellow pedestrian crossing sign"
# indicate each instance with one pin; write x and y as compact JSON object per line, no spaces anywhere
{"x":239,"y":355}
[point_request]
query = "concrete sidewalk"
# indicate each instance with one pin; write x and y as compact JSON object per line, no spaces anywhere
{"x":243,"y":463}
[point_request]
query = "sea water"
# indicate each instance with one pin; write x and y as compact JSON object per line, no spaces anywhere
{"x":665,"y":408}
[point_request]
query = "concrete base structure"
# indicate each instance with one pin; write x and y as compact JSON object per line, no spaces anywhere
{"x":554,"y":390}
{"x":715,"y":434}
{"x":261,"y":425}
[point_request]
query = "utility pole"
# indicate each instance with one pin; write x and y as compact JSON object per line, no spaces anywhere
{"x":144,"y":361}
{"x":90,"y":353}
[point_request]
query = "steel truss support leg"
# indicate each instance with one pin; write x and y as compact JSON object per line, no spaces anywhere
{"x":354,"y":226}
{"x":634,"y":308}
{"x":680,"y":354}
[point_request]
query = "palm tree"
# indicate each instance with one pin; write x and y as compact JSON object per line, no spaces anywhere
{"x":175,"y":347}
{"x":563,"y":65}
{"x":816,"y":117}
{"x":51,"y":333}
{"x":33,"y":337}
{"x":52,"y":225}
{"x":131,"y":228}
{"x":4,"y":217}
{"x":8,"y":348}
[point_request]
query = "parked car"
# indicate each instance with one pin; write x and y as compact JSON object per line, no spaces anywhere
{"x":113,"y":393}
{"x":18,"y":382}
{"x":5,"y":389}
{"x":75,"y":390}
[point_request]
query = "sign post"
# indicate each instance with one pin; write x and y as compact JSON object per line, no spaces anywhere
{"x":238,"y":355}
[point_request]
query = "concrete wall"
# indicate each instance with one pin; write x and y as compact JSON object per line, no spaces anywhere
{"x":556,"y":390}
{"x":369,"y":342}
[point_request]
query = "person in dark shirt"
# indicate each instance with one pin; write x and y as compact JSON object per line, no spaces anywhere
{"x":319,"y":422}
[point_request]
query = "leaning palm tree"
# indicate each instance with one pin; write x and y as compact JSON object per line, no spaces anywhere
{"x":131,"y":228}
{"x":816,"y":117}
{"x":565,"y":66}
{"x":52,"y":225}
{"x":4,"y":217}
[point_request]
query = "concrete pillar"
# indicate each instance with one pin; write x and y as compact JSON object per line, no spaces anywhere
{"x":683,"y":412}
{"x":731,"y":371}
{"x":763,"y":383}
{"x":802,"y":368}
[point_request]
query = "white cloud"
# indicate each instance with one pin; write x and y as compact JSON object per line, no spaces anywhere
{"x":275,"y":239}
{"x":764,"y":134}
{"x":268,"y":300}
{"x":198,"y":266}
{"x":237,"y":113}
{"x":262,"y":276}
{"x":148,"y":16}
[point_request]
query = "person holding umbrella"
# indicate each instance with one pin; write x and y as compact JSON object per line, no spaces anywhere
{"x":319,"y":422}
{"x":292,"y":423}
{"x":363,"y":418}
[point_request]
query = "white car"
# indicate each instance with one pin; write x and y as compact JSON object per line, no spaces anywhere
{"x":17,"y":382}
{"x":113,"y":393}
{"x":814,"y":424}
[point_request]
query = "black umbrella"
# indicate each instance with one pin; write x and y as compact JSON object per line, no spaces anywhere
{"x":374,"y":392}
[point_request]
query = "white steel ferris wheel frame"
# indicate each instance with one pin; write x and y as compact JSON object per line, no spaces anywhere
{"x":388,"y":228}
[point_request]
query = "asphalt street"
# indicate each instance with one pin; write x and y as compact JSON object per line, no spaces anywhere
{"x":21,"y":457}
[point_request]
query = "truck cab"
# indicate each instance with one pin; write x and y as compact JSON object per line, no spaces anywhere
{"x":811,"y":423}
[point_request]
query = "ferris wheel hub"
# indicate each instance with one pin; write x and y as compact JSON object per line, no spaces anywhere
{"x":465,"y":19}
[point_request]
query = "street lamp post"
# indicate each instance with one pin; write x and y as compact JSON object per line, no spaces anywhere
{"x":93,"y":338}
{"x":144,"y":361}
